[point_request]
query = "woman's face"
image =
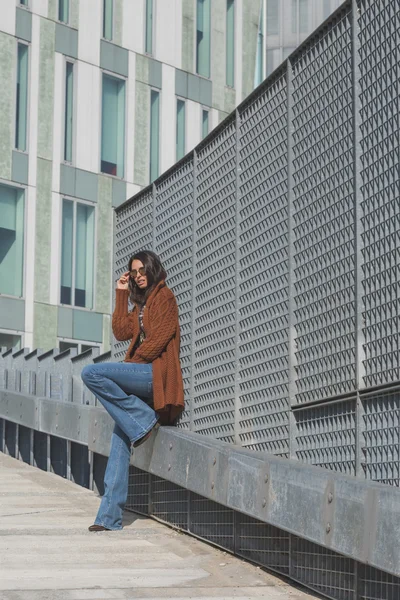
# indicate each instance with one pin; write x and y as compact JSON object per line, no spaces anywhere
{"x":137,"y":276}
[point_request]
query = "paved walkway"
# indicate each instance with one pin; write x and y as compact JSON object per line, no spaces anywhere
{"x":46,"y":552}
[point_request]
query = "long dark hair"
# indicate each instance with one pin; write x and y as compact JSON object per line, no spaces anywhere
{"x":155,"y":273}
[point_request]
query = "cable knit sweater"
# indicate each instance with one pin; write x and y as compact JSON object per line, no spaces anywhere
{"x":160,"y":346}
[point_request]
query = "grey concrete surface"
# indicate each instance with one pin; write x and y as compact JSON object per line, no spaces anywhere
{"x":47,"y":553}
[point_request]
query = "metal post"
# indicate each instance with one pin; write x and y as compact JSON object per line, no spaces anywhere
{"x":291,"y":252}
{"x":193,"y":291}
{"x":154,"y":196}
{"x":237,"y":287}
{"x":358,"y":258}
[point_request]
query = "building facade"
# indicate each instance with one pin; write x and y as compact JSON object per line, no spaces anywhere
{"x":98,"y":98}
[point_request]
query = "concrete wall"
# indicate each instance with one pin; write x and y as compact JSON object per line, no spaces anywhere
{"x":41,"y":172}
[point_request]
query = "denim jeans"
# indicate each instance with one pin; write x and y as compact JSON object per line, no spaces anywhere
{"x":126,"y":392}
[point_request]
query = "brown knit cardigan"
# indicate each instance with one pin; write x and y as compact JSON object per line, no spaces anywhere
{"x":160,"y":347}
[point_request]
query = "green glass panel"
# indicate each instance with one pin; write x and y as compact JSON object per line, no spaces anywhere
{"x":149,"y":27}
{"x":272,"y":17}
{"x":203,"y":38}
{"x":22,"y":97}
{"x":230,"y":43}
{"x":69,"y":95}
{"x":23,"y":2}
{"x":108,"y":19}
{"x":113,"y":126}
{"x":84,"y":255}
{"x":204,"y":124}
{"x":154,"y":134}
{"x":180,"y":129}
{"x":63,"y":10}
{"x":66,"y":251}
{"x":11,"y":240}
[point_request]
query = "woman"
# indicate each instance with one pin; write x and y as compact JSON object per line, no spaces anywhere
{"x":144,"y":391}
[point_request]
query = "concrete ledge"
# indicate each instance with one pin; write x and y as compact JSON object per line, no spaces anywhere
{"x":359,"y":519}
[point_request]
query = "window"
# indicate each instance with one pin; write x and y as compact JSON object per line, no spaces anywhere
{"x":80,"y":346}
{"x":204,"y":123}
{"x":273,"y":17}
{"x":22,"y":98}
{"x":180,"y":129}
{"x":113,"y":126}
{"x":108,"y":19}
{"x":259,"y":72}
{"x":11,"y":240}
{"x":154,"y":134}
{"x":149,"y":27}
{"x":203,"y":38}
{"x":69,"y":101}
{"x":230,"y":43}
{"x":10,"y":340}
{"x":23,"y":2}
{"x":303,"y":16}
{"x":63,"y":11}
{"x":77,"y":254}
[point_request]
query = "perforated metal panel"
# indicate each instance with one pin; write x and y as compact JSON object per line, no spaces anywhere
{"x":169,"y":502}
{"x":174,"y":243}
{"x":324,"y":214}
{"x":326,"y":436}
{"x":323,"y":570}
{"x":379,"y":23}
{"x":377,"y":585}
{"x":214,"y":369}
{"x":381,"y":449}
{"x":133,"y":232}
{"x":212,"y":522}
{"x":263,"y":544}
{"x":264,"y":269}
{"x":138,"y":491}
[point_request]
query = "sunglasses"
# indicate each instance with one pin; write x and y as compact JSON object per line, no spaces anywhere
{"x":134,"y":273}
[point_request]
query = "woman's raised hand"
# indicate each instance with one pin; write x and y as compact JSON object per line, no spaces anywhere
{"x":122,"y":283}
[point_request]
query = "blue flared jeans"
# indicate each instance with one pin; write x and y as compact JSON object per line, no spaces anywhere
{"x":126,"y":392}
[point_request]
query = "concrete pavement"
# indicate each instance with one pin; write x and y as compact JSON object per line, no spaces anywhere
{"x":47,"y":553}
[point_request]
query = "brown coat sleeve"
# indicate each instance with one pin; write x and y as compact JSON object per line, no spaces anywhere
{"x":122,"y":325}
{"x":163,"y":326}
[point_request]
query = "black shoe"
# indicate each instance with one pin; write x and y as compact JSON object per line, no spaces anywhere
{"x":98,"y":528}
{"x":146,"y":436}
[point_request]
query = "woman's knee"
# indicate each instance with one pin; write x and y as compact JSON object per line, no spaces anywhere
{"x":88,"y":372}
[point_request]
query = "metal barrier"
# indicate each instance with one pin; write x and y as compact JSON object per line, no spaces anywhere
{"x":279,"y":233}
{"x":334,"y":533}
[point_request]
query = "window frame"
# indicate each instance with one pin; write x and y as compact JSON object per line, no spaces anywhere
{"x":28,"y":45}
{"x":92,"y":205}
{"x":208,"y":111}
{"x":154,"y":89}
{"x":195,"y":44}
{"x":184,"y":100}
{"x":74,"y":63}
{"x":20,"y":334}
{"x":79,"y":344}
{"x":112,"y":24}
{"x":23,"y":190}
{"x":232,"y":87}
{"x":125,"y":80}
{"x":58,"y":13}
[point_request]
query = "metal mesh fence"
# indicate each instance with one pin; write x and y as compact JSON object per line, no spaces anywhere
{"x":280,"y":236}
